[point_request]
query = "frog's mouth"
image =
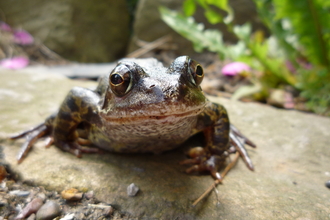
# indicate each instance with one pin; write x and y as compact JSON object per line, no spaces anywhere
{"x":131,"y":117}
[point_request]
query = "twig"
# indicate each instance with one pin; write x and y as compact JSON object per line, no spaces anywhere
{"x":218,"y":181}
{"x":150,"y":46}
{"x":100,"y":206}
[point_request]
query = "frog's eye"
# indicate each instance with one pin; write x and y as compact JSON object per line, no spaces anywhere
{"x":196,"y":71}
{"x":121,"y":80}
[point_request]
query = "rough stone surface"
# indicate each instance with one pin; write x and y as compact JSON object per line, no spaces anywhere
{"x":79,"y":30}
{"x":292,"y":161}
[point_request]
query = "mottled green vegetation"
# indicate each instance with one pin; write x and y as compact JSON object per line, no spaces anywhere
{"x":296,"y":54}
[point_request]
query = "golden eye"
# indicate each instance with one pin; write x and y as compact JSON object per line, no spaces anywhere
{"x":116,"y":79}
{"x":121,"y":80}
{"x":196,"y":72}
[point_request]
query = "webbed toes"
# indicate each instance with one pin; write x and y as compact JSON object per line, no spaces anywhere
{"x":75,"y":148}
{"x":27,"y":132}
{"x":235,"y":141}
{"x":205,"y":164}
{"x":237,"y":133}
{"x":32,"y":136}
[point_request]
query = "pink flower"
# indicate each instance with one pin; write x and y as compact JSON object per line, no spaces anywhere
{"x":23,"y":37}
{"x":14,"y":63}
{"x":4,"y":26}
{"x":235,"y":68}
{"x":290,"y":66}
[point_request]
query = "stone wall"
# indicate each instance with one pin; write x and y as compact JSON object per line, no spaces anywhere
{"x":89,"y":31}
{"x":80,"y":30}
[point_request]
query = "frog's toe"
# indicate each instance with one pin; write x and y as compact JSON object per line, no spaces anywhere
{"x":189,"y":161}
{"x":75,"y":148}
{"x":237,"y":133}
{"x":49,"y":141}
{"x":239,"y":146}
{"x":32,"y":136}
{"x":39,"y":128}
{"x":211,"y":165}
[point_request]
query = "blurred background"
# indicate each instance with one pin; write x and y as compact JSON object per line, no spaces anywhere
{"x":269,"y":51}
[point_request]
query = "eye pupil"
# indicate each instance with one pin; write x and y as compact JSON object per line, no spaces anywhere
{"x":116,"y":79}
{"x":121,"y":80}
{"x":199,"y":70}
{"x":196,"y":72}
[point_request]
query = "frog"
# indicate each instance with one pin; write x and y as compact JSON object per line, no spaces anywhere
{"x":144,"y":107}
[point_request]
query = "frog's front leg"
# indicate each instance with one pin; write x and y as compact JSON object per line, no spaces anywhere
{"x":80,"y":105}
{"x":220,"y":141}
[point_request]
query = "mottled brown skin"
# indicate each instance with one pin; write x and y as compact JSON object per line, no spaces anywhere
{"x":141,"y":107}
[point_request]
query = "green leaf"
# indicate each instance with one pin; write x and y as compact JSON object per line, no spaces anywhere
{"x":243,"y":31}
{"x":213,"y":17}
{"x":237,"y":51}
{"x":310,"y":22}
{"x":188,"y":28}
{"x":259,"y":50}
{"x":286,"y":39}
{"x":315,"y":85}
{"x":189,"y":7}
{"x":230,"y":17}
{"x":222,"y":4}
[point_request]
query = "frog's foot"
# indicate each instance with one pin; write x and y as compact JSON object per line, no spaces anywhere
{"x":42,"y":130}
{"x":202,"y":160}
{"x":202,"y":163}
{"x":237,"y":133}
{"x":32,"y":136}
{"x":237,"y":139}
{"x":75,"y":148}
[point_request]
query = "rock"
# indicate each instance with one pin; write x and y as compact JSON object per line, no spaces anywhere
{"x":132,"y":190}
{"x":71,"y":194}
{"x":68,"y":217}
{"x":80,"y":215}
{"x":42,"y":196}
{"x":89,"y":194}
{"x":19,"y":193}
{"x":48,"y":211}
{"x":31,"y":207}
{"x":277,"y":98}
{"x":3,"y":173}
{"x":327,"y":184}
{"x":108,"y":211}
{"x":32,"y":217}
{"x":292,"y":161}
{"x":78,"y":30}
{"x":3,"y":201}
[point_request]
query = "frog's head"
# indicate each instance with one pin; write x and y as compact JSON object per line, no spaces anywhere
{"x":148,"y":89}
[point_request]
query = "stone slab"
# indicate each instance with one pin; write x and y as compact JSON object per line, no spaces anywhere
{"x":292,"y":161}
